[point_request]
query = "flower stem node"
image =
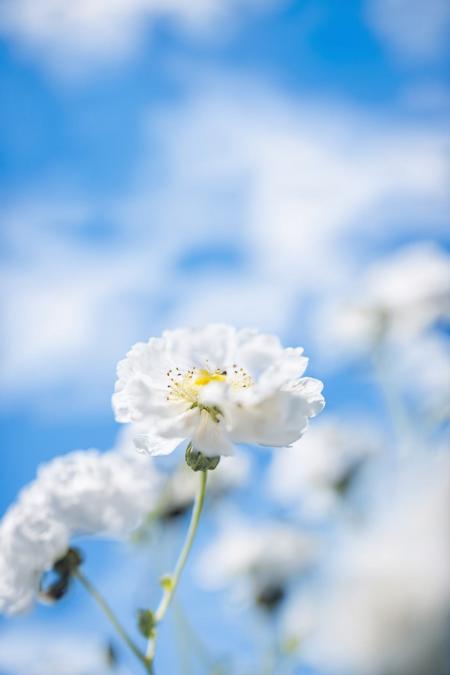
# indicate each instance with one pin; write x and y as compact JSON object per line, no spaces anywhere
{"x":166,"y":582}
{"x":146,"y":622}
{"x":197,"y":461}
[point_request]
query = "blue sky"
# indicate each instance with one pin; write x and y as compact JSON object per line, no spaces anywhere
{"x":243,"y":168}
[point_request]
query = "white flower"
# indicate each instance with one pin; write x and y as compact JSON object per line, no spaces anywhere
{"x":386,"y":611}
{"x":215,"y":387}
{"x":79,"y":493}
{"x":311,"y":477}
{"x":259,"y":556}
{"x":399,"y":296}
{"x":98,"y":493}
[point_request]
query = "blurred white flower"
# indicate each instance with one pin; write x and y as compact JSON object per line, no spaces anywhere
{"x":400,"y":296}
{"x":311,"y":477}
{"x":387,"y":608}
{"x":180,"y":488}
{"x":257,"y":558}
{"x":79,"y":493}
{"x":426,"y":386}
{"x":32,"y":540}
{"x":50,"y":652}
{"x":215,"y":386}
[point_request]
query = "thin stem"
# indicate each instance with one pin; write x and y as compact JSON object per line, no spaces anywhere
{"x":213,"y":666}
{"x":170,"y":588}
{"x":120,"y":630}
{"x":393,"y":401}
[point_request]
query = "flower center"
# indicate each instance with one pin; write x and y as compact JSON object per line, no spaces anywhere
{"x":185,"y":384}
{"x":205,"y":377}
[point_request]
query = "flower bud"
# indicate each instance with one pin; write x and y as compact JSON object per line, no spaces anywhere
{"x":197,"y":461}
{"x":146,"y":622}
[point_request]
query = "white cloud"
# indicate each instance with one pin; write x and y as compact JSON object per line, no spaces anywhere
{"x":71,"y":36}
{"x":262,"y":203}
{"x":414,"y":29}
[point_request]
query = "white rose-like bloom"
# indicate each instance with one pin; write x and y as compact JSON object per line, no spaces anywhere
{"x":387,"y":607}
{"x":311,"y":477}
{"x":215,"y":386}
{"x":255,"y":557}
{"x":76,"y":494}
{"x":98,"y":493}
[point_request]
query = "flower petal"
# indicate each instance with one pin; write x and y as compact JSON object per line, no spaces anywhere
{"x":153,"y":445}
{"x":211,"y":438}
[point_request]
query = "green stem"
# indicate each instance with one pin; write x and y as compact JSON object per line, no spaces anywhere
{"x":120,"y":630}
{"x":173,"y":581}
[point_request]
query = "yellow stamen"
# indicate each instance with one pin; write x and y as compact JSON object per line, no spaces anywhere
{"x":205,"y":377}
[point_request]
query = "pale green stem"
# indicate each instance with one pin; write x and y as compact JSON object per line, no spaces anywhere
{"x":393,"y":400}
{"x":120,"y":630}
{"x":173,"y":581}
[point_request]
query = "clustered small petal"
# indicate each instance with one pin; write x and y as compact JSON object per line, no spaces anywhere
{"x":78,"y":494}
{"x":215,"y":387}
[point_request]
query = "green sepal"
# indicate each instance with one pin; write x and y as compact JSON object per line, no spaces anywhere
{"x":197,"y":461}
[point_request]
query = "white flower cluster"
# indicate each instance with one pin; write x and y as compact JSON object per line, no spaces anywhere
{"x":81,"y":493}
{"x":215,"y":386}
{"x":387,"y":608}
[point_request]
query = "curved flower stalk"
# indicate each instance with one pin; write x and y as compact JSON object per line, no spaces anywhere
{"x":215,"y":387}
{"x":170,"y":583}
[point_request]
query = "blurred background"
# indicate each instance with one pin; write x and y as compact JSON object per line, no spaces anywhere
{"x":281,"y":164}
